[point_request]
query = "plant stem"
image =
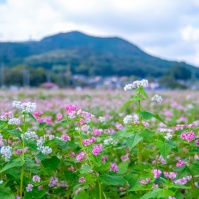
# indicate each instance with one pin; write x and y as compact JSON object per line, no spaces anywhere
{"x":22,"y":169}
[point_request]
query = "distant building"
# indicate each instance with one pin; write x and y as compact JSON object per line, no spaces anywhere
{"x":49,"y":85}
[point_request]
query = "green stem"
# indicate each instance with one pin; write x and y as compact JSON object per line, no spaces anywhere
{"x":23,"y":157}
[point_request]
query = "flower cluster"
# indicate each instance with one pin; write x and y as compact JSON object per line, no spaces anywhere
{"x":6,"y":152}
{"x":136,"y":84}
{"x":26,"y":106}
{"x":97,"y":149}
{"x":157,"y":98}
{"x":114,"y":167}
{"x":189,"y":136}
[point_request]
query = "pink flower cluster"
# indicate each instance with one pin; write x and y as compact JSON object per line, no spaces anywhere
{"x":6,"y":116}
{"x":97,"y":132}
{"x":180,"y":163}
{"x":189,"y":136}
{"x":114,"y":167}
{"x":181,"y":181}
{"x":80,"y":156}
{"x":65,"y":137}
{"x":104,"y":158}
{"x":143,"y":182}
{"x":53,"y":181}
{"x":97,"y":148}
{"x":82,"y":180}
{"x":183,"y":126}
{"x":87,"y":142}
{"x":171,"y":175}
{"x":125,"y":157}
{"x":156,"y":173}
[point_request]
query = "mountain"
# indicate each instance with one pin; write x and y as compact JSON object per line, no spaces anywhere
{"x":89,"y":55}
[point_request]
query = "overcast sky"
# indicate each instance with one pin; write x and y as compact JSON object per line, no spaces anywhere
{"x":164,"y":28}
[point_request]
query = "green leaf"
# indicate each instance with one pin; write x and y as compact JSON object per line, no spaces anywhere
{"x":52,"y":163}
{"x":146,"y":134}
{"x":123,"y":167}
{"x":13,"y":163}
{"x":158,"y":193}
{"x":134,"y":140}
{"x":31,"y":116}
{"x":133,"y":180}
{"x":6,"y":193}
{"x":165,"y":149}
{"x":143,"y":92}
{"x":112,"y":180}
{"x":133,"y":99}
{"x":82,"y":195}
{"x":148,"y":115}
{"x":15,"y":132}
{"x":85,"y":169}
{"x":2,"y":123}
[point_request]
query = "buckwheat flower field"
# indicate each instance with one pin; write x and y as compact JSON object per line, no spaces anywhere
{"x":130,"y":144}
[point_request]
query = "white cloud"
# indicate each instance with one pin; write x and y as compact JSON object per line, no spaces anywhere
{"x":163,"y":28}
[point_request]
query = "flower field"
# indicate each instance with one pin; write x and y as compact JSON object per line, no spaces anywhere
{"x":90,"y":144}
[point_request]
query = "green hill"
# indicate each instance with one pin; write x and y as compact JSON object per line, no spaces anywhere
{"x":87,"y":55}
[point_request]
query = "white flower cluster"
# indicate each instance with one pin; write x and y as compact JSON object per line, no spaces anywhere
{"x":110,"y":140}
{"x":46,"y":150}
{"x":26,"y":106}
{"x":168,"y":132}
{"x":29,"y":134}
{"x":130,"y":118}
{"x":14,"y":121}
{"x":136,"y":84}
{"x":157,"y":98}
{"x":6,"y":152}
{"x":102,"y":119}
{"x":43,"y":149}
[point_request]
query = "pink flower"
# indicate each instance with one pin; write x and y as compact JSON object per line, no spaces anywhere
{"x":119,"y":127}
{"x":59,"y":116}
{"x":97,"y":148}
{"x":143,"y":182}
{"x":65,"y":137}
{"x":80,"y":156}
{"x":189,"y":136}
{"x":97,"y":132}
{"x":29,"y":188}
{"x":125,"y":157}
{"x":170,"y":197}
{"x":114,"y":167}
{"x":156,"y":173}
{"x":53,"y":181}
{"x":36,"y":178}
{"x":181,"y":181}
{"x":70,"y":108}
{"x":37,"y":114}
{"x":40,"y":120}
{"x":197,"y":142}
{"x":104,"y":158}
{"x":82,"y":180}
{"x":78,"y":190}
{"x":180,"y":163}
{"x":48,"y":120}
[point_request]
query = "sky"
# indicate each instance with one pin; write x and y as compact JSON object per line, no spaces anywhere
{"x":168,"y":29}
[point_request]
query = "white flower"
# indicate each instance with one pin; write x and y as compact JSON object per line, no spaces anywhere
{"x":143,"y":83}
{"x":128,"y":119}
{"x":168,"y":136}
{"x":30,"y":134}
{"x":26,"y":106}
{"x":128,"y":87}
{"x":102,"y":119}
{"x":46,"y":150}
{"x":6,"y":152}
{"x":1,"y":181}
{"x":157,"y":98}
{"x":166,"y":130}
{"x":39,"y":144}
{"x":16,"y":104}
{"x":14,"y":121}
